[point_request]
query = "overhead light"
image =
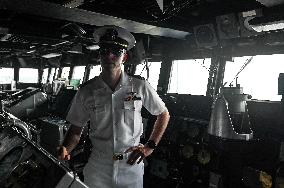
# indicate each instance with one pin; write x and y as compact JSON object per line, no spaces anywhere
{"x":61,"y":43}
{"x":93,"y":47}
{"x":30,"y":52}
{"x":271,"y":26}
{"x":74,"y":52}
{"x":50,"y":55}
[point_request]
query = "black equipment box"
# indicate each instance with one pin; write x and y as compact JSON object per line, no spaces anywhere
{"x":52,"y":132}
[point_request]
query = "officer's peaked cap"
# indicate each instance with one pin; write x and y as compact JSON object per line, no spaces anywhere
{"x":114,"y":35}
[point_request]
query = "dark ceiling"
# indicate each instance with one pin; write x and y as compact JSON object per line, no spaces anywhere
{"x":178,"y":14}
{"x":33,"y":28}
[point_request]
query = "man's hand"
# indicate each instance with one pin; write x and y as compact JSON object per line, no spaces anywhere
{"x":138,"y":152}
{"x":63,"y":153}
{"x":71,"y":139}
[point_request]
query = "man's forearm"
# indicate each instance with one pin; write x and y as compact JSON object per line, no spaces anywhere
{"x":72,"y":138}
{"x":140,"y":152}
{"x":160,"y":127}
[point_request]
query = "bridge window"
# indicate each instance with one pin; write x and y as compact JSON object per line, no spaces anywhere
{"x":7,"y":75}
{"x":51,"y":76}
{"x":56,"y":73}
{"x":259,"y":78}
{"x":78,"y":73}
{"x":154,"y":72}
{"x":95,"y":71}
{"x":28,"y":75}
{"x":189,"y":76}
{"x":44,"y":76}
{"x":65,"y":72}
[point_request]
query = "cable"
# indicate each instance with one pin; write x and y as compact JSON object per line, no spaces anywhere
{"x":74,"y":178}
{"x":147,"y":69}
{"x":142,"y":70}
{"x":74,"y":171}
{"x":241,"y":69}
{"x":202,"y":64}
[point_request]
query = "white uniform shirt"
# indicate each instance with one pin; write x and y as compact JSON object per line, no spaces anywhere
{"x":116,"y":122}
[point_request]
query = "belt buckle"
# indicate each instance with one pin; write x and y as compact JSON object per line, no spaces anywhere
{"x":117,"y":156}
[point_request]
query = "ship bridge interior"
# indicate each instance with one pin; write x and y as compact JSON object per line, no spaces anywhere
{"x":217,"y":65}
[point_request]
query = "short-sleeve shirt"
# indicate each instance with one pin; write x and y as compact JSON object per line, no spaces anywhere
{"x":115,"y":116}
